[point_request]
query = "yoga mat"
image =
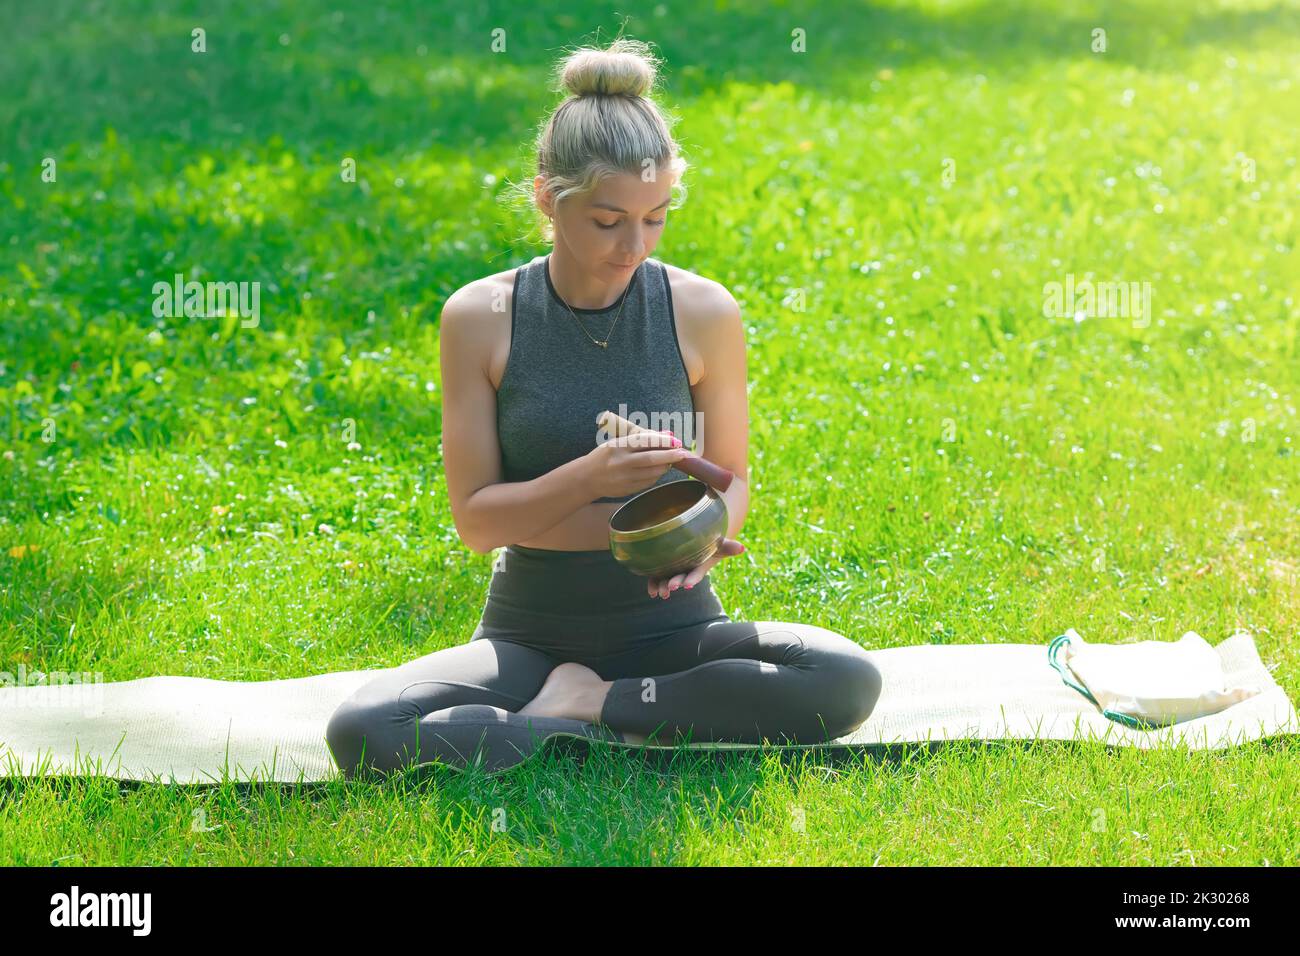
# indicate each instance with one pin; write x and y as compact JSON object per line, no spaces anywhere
{"x":194,"y":730}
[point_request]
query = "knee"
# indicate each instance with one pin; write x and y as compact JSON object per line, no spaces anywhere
{"x":352,"y":736}
{"x":863,"y":682}
{"x":850,"y":684}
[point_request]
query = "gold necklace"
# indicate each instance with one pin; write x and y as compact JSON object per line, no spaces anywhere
{"x":605,"y":343}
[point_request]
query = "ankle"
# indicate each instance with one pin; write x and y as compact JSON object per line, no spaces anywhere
{"x":593,"y":701}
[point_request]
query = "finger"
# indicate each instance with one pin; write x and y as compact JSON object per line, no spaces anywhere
{"x":652,"y":474}
{"x":643,"y":478}
{"x":699,"y":572}
{"x":729,"y":548}
{"x":649,"y":439}
{"x":696,"y":574}
{"x":617,"y":424}
{"x":676,"y":581}
{"x":658,"y":440}
{"x":661,"y":458}
{"x":623,"y":426}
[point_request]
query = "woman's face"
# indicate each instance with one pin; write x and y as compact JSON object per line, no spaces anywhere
{"x":614,"y":227}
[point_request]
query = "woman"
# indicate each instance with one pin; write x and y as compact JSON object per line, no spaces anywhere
{"x":569,"y":640}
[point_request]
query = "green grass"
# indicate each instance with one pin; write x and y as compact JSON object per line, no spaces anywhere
{"x":932,"y":458}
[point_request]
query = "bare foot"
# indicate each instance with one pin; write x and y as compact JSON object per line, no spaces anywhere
{"x":571,"y":690}
{"x":576,"y":691}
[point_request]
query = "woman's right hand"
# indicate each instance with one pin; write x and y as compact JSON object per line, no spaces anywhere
{"x":632,"y":463}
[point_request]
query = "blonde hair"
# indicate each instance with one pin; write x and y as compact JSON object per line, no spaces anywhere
{"x":609,"y":124}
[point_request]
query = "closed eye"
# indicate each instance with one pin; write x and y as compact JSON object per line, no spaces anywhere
{"x":614,"y":225}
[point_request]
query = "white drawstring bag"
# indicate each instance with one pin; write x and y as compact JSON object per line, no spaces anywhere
{"x":1149,"y":683}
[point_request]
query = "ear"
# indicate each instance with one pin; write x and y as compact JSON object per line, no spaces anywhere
{"x":543,"y":195}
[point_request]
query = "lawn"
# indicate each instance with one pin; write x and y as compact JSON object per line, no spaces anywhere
{"x":934,"y":457}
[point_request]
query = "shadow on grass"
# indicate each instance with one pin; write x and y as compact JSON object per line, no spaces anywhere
{"x":562,"y":753}
{"x":664,"y":759}
{"x":310,"y":75}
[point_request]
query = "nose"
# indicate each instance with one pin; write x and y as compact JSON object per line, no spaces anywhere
{"x":634,"y":247}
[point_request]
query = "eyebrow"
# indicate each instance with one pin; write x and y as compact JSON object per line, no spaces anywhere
{"x":605,"y":205}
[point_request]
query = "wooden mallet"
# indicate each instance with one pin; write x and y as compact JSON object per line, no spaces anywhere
{"x":706,"y":471}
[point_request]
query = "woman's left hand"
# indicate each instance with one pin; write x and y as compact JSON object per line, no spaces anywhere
{"x":662,"y":587}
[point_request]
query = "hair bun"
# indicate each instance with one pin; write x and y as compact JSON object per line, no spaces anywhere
{"x":625,"y":68}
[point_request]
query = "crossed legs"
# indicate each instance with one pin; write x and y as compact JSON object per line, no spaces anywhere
{"x":724,"y":680}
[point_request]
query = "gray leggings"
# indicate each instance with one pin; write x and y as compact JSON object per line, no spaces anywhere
{"x":681,"y":670}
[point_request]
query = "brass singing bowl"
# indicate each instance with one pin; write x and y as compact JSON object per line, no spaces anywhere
{"x":669,"y":528}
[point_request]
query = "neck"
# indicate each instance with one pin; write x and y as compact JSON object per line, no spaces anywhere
{"x":580,"y":288}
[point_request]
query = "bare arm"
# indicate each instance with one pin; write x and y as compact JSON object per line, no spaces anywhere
{"x":488,"y":512}
{"x":722,"y":400}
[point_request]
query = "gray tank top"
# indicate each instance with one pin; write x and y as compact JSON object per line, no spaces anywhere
{"x":557,"y":380}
